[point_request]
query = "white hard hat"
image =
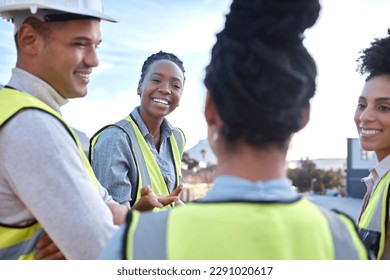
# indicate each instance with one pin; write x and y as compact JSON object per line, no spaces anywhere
{"x":19,"y":10}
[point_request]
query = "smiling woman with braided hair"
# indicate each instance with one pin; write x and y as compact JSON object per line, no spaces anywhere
{"x":259,"y":84}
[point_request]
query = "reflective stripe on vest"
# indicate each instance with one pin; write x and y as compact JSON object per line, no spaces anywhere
{"x":143,"y":174}
{"x":343,"y":243}
{"x":19,"y":243}
{"x":372,"y":223}
{"x":149,"y":172}
{"x":147,"y":237}
{"x":12,"y":239}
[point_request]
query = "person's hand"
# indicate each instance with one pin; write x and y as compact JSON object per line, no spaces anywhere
{"x":176,"y":192}
{"x":149,"y":200}
{"x":48,"y":250}
{"x":119,"y":213}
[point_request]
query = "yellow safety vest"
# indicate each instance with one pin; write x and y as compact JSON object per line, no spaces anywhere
{"x":19,"y":242}
{"x":149,"y":172}
{"x":296,"y":230}
{"x":372,"y":223}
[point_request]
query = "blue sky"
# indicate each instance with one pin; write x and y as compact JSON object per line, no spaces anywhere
{"x":188,"y":28}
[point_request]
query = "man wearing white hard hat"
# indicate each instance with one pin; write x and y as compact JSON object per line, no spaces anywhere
{"x":46,"y":182}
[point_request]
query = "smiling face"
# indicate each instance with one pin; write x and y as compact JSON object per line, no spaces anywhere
{"x":161,"y":89}
{"x":372,"y":116}
{"x":68,"y":55}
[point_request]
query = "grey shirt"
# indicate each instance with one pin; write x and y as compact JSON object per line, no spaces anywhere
{"x":114,"y":163}
{"x":42,"y":177}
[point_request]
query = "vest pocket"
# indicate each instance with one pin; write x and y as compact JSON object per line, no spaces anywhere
{"x":371,"y":240}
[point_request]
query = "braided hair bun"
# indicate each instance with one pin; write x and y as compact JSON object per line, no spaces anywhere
{"x":260,"y":76}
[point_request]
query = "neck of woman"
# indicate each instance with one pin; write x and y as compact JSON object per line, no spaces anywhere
{"x":253,"y":164}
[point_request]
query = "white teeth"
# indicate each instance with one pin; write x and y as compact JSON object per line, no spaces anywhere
{"x":85,"y":76}
{"x":161,"y":101}
{"x":369,"y":132}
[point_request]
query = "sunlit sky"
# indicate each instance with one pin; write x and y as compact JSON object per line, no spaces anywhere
{"x":188,"y":28}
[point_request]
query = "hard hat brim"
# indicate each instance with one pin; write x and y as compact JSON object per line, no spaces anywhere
{"x":6,"y":11}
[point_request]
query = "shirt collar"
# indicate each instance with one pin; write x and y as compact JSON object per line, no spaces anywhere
{"x":166,"y":127}
{"x":377,"y":172}
{"x":229,"y":188}
{"x":26,"y":82}
{"x":383,"y":167}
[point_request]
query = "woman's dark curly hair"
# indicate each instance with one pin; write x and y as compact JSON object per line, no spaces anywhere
{"x":160,"y":56}
{"x":375,"y":60}
{"x":261,"y":77}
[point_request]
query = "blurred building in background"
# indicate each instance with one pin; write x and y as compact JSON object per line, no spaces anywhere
{"x":359,"y":162}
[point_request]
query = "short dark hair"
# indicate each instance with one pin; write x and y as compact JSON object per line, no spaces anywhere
{"x":160,"y":56}
{"x":43,"y":28}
